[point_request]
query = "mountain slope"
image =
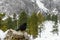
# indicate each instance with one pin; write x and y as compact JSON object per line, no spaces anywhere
{"x":15,"y":6}
{"x":41,"y":5}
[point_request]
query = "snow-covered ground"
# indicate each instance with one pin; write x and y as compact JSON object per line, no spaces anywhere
{"x":46,"y":34}
{"x":2,"y":35}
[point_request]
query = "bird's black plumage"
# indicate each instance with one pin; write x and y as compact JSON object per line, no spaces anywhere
{"x":22,"y":27}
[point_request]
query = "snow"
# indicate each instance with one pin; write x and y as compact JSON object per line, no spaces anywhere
{"x":31,"y":38}
{"x":54,"y":0}
{"x":41,"y":6}
{"x":32,"y":0}
{"x":2,"y":35}
{"x":5,"y":18}
{"x":55,"y":11}
{"x":47,"y":34}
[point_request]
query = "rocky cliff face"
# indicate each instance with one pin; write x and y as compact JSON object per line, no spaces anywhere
{"x":52,"y":5}
{"x":15,"y":6}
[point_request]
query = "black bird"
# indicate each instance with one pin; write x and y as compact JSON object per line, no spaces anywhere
{"x":22,"y":27}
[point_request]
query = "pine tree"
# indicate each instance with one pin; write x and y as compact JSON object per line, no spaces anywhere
{"x":4,"y":25}
{"x":4,"y":28}
{"x":40,"y":29}
{"x":48,"y":17}
{"x":9,"y":23}
{"x":0,"y":22}
{"x":1,"y":16}
{"x":22,"y":18}
{"x":40,"y":18}
{"x":55,"y":27}
{"x":14,"y":21}
{"x":32,"y":24}
{"x":14,"y":16}
{"x":54,"y":18}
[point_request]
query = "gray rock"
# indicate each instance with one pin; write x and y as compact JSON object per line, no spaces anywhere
{"x":15,"y":6}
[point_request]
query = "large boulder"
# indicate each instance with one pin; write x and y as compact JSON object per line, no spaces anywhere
{"x":16,"y":35}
